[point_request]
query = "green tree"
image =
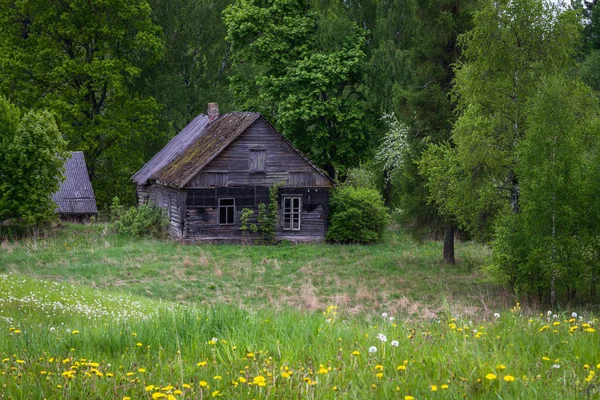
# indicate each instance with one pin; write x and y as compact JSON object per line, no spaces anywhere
{"x":512,"y":46}
{"x":83,"y":60}
{"x":314,"y":96}
{"x":427,"y":110}
{"x":548,"y":249}
{"x":31,"y":162}
{"x":195,"y":67}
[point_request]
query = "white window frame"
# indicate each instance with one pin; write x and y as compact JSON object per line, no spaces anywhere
{"x":226,"y":207}
{"x":291,"y":212}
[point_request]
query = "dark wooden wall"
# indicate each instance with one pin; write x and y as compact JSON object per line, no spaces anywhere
{"x":172,"y":201}
{"x":202,"y":218}
{"x":283,"y":163}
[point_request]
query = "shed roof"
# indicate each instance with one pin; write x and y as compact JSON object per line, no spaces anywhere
{"x":196,"y":146}
{"x":75,"y":195}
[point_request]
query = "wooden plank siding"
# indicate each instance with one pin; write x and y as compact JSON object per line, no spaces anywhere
{"x":282,"y":163}
{"x":173,"y":202}
{"x":202,"y":215}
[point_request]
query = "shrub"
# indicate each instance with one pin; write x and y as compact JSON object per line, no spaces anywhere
{"x":145,"y":220}
{"x":357,"y":215}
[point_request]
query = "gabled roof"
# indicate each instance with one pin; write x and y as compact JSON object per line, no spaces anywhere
{"x":216,"y":137}
{"x":174,"y":148}
{"x":75,"y":195}
{"x":196,"y":146}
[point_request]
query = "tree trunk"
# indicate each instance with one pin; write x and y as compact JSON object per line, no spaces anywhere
{"x":449,"y":244}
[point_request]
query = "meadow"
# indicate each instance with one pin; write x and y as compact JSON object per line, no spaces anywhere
{"x":85,"y":313}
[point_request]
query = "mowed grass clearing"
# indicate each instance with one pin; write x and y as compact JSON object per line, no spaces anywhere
{"x":397,"y":276}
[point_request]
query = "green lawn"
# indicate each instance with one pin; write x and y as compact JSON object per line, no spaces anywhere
{"x":396,"y":276}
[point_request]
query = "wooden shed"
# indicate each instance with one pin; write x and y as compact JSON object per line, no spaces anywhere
{"x":219,"y":165}
{"x":75,"y":198}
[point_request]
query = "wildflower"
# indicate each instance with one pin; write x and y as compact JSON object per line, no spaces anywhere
{"x":574,"y":315}
{"x":149,"y":388}
{"x":434,"y":388}
{"x":158,"y":395}
{"x":509,"y":378}
{"x":590,"y":330}
{"x":545,"y":358}
{"x":186,"y":386}
{"x":356,"y":353}
{"x":259,"y":381}
{"x":250,"y":355}
{"x":379,"y":375}
{"x":379,"y":367}
{"x":384,"y":315}
{"x":75,"y":332}
{"x":217,"y":377}
{"x":284,"y":374}
{"x":139,"y":344}
{"x":203,"y":384}
{"x":322,"y":369}
{"x":496,"y":315}
{"x":201,"y":363}
{"x":549,"y":313}
{"x":555,"y":366}
{"x":409,"y":398}
{"x":142,"y":370}
{"x":167,"y":388}
{"x":126,"y":398}
{"x":20,"y":361}
{"x":395,"y":343}
{"x":444,"y":386}
{"x":372,"y":349}
{"x":401,"y":368}
{"x":382,"y":337}
{"x":490,"y":377}
{"x":500,"y":367}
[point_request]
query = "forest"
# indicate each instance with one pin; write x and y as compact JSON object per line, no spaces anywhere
{"x":475,"y":117}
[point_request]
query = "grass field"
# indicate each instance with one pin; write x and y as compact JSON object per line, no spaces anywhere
{"x":88,"y":314}
{"x":397,"y":276}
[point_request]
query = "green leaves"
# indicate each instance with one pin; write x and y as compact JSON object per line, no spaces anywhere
{"x":31,"y":161}
{"x":314,"y":96}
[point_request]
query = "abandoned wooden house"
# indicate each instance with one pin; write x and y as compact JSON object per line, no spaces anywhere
{"x":75,"y":198}
{"x":219,"y":165}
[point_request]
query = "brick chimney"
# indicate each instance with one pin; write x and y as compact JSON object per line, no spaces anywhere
{"x":212,"y":111}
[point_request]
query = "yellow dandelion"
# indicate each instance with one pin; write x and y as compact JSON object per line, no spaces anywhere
{"x":20,"y":361}
{"x":201,"y":364}
{"x":126,"y":398}
{"x":142,"y":370}
{"x":409,"y":398}
{"x":500,"y":367}
{"x":171,"y":397}
{"x":138,"y":344}
{"x":434,"y":388}
{"x":217,"y":377}
{"x":444,"y":386}
{"x":590,"y":330}
{"x":149,"y":388}
{"x":203,"y":384}
{"x":356,"y":353}
{"x":187,"y":386}
{"x":75,"y":332}
{"x":158,"y":395}
{"x":401,"y":368}
{"x":509,"y":378}
{"x":216,"y":393}
{"x":490,"y":377}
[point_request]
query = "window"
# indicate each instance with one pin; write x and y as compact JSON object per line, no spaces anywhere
{"x":258,"y":160}
{"x":291,"y":213}
{"x":226,"y":211}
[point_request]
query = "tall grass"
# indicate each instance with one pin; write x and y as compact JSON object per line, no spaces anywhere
{"x":111,"y":346}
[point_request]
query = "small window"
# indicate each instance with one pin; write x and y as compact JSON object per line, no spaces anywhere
{"x":226,"y":211}
{"x":291,"y":213}
{"x":258,"y":161}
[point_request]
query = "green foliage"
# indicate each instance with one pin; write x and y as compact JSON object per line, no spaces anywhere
{"x":314,"y":95}
{"x":84,"y":61}
{"x":194,"y":69}
{"x":356,"y":215}
{"x":145,"y":220}
{"x":362,"y":176}
{"x":31,"y":165}
{"x":549,"y":248}
{"x":266,"y":217}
